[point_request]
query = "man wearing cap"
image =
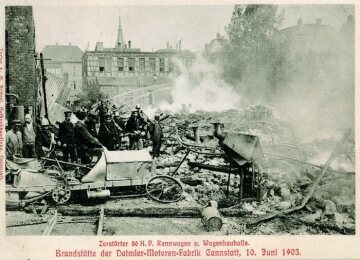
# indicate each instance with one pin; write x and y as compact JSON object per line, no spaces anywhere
{"x":29,"y":138}
{"x":14,"y":143}
{"x":83,"y":139}
{"x":109,"y":133}
{"x":66,"y":138}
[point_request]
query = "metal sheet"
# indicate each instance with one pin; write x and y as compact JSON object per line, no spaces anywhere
{"x":128,"y":156}
{"x":128,"y":170}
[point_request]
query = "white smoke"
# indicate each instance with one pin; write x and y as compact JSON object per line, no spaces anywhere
{"x":200,"y":87}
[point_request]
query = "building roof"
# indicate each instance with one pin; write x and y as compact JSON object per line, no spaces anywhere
{"x":63,"y":53}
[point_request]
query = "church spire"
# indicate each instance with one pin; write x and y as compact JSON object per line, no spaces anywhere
{"x":120,"y":39}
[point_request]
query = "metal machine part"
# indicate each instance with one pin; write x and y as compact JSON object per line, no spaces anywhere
{"x":61,"y":194}
{"x":98,"y":194}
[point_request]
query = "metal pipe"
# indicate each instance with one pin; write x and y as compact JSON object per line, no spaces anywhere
{"x":196,"y":134}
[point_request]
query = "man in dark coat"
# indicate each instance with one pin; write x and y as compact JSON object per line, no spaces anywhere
{"x":109,"y":133}
{"x":83,"y":139}
{"x":91,"y":124}
{"x":134,"y":127}
{"x":44,"y":139}
{"x":156,"y":135}
{"x":66,"y":138}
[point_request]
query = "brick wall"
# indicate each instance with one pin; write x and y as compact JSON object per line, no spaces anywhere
{"x":21,"y":73}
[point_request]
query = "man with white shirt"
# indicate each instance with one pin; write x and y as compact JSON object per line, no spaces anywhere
{"x":29,"y":137}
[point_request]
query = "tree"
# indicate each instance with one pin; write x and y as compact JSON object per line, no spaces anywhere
{"x":251,"y":47}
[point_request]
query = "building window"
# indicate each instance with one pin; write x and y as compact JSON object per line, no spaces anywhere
{"x":152,"y":64}
{"x":171,"y":66}
{"x":162,"y":65}
{"x":131,"y":64}
{"x":120,"y":63}
{"x":142,"y":64}
{"x":108,"y":64}
{"x":101,"y":64}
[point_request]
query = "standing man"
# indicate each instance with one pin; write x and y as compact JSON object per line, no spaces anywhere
{"x":14,"y":143}
{"x":156,"y":135}
{"x":29,"y":137}
{"x":109,"y":133}
{"x":91,"y":124}
{"x":83,"y":139}
{"x":44,"y":139}
{"x":134,"y":127}
{"x":66,"y":138}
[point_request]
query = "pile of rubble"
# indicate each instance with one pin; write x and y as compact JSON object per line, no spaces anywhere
{"x":284,"y":181}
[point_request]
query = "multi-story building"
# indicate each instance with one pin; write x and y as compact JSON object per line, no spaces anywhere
{"x":123,"y":67}
{"x":64,"y":61}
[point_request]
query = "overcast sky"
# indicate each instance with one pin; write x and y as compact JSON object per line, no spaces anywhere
{"x":149,"y":27}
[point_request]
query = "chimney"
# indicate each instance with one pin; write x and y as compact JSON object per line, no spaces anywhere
{"x":129,"y":44}
{"x":180,"y":45}
{"x":99,"y":46}
{"x":299,"y":22}
{"x":318,"y":21}
{"x":125,"y":46}
{"x":119,"y":45}
{"x":196,"y":133}
{"x":176,"y":46}
{"x":167,"y":45}
{"x":170,"y":47}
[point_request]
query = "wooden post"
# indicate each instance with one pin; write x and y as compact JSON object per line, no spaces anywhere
{"x":101,"y":222}
{"x":50,"y":225}
{"x":43,"y":81}
{"x":241,"y":185}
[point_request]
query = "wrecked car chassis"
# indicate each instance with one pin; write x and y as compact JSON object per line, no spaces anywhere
{"x":113,"y":172}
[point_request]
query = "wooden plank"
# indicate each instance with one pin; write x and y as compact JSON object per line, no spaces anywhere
{"x":50,"y":225}
{"x":101,"y":222}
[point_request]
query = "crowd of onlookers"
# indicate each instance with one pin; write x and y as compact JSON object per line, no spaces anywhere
{"x":100,"y":129}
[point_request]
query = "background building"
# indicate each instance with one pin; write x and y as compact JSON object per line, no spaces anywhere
{"x":124,"y":68}
{"x":65,"y":61}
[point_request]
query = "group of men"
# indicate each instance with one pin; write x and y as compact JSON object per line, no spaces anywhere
{"x":80,"y":140}
{"x":28,"y":141}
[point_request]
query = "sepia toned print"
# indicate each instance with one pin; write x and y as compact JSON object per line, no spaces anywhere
{"x":139,"y":122}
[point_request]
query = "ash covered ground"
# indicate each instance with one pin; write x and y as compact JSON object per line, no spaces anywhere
{"x":290,"y":168}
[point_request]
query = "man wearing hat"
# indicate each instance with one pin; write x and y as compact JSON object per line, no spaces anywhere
{"x":14,"y":143}
{"x":83,"y":139}
{"x":134,"y":127}
{"x":109,"y":133}
{"x":66,"y":138}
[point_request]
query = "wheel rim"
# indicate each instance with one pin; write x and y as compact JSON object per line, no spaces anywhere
{"x":165,"y":189}
{"x":61,"y":195}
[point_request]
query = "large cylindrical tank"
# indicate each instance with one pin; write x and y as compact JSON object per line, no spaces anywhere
{"x":98,"y":194}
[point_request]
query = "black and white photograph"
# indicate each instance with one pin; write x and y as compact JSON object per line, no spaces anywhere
{"x":225,"y":120}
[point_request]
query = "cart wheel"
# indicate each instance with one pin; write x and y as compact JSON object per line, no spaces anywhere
{"x":61,"y":194}
{"x":164,"y":189}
